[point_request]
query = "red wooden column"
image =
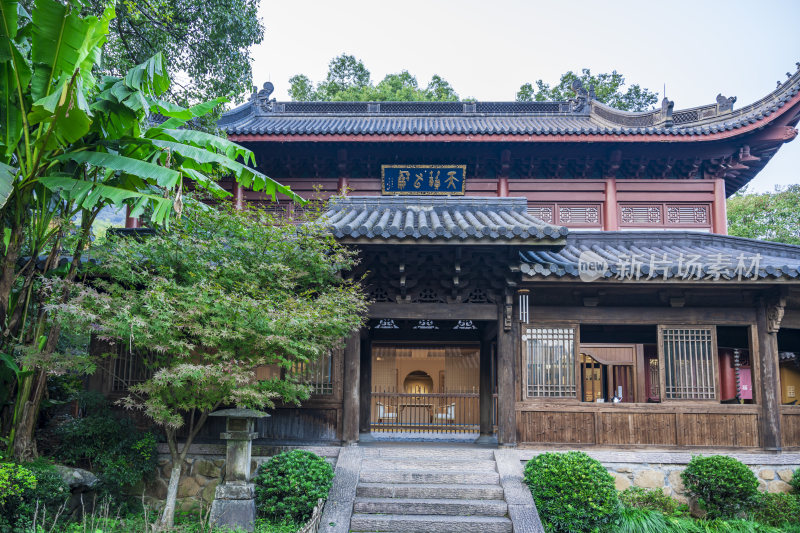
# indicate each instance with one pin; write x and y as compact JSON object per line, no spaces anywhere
{"x":342,"y":184}
{"x":719,"y":217}
{"x":502,"y":177}
{"x":610,"y":211}
{"x":130,"y":222}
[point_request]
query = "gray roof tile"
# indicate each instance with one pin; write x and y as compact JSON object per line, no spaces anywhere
{"x":417,"y":219}
{"x":669,"y":255}
{"x":262,"y":117}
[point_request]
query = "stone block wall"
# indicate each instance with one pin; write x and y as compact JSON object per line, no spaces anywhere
{"x":668,"y":477}
{"x":204,"y":469}
{"x":662,"y":470}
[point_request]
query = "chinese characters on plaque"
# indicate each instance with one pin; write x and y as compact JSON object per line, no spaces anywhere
{"x":423,"y":179}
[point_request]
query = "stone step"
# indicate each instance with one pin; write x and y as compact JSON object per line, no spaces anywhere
{"x":426,"y":476}
{"x":415,"y":490}
{"x":430,"y":523}
{"x":457,"y":465}
{"x":432,"y":452}
{"x":417,"y":506}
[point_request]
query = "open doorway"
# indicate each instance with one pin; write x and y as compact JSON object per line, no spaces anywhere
{"x":425,"y":388}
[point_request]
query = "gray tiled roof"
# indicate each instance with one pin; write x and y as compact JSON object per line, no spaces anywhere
{"x":588,"y":117}
{"x":675,"y":253}
{"x":439,"y":219}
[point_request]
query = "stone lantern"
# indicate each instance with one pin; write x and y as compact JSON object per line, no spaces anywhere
{"x":234,"y":505}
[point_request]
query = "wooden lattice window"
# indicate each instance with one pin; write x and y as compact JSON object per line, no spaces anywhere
{"x":550,"y":362}
{"x":129,"y":368}
{"x":567,"y":214}
{"x":689,"y":363}
{"x":665,"y":215}
{"x":318,"y":374}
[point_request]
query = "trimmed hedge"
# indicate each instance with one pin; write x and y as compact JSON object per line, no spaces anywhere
{"x":723,"y":486}
{"x":573,"y":492}
{"x":289,"y":485}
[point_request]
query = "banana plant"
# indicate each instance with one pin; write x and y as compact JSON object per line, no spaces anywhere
{"x":72,"y":144}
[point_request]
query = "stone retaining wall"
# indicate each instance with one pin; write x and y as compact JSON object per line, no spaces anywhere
{"x":657,"y":470}
{"x":204,"y":469}
{"x":205,"y":465}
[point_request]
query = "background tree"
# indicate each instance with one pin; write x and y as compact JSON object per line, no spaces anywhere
{"x":219,"y":294}
{"x":608,"y":90}
{"x":206,"y":45}
{"x":71,"y":145}
{"x":348,"y":80}
{"x":771,"y":216}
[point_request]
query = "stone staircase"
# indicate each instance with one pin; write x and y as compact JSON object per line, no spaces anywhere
{"x":431,"y":490}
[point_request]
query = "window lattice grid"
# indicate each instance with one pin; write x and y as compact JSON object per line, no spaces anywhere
{"x":128,"y":369}
{"x":550,"y":359}
{"x":689,"y":364}
{"x":318,"y":374}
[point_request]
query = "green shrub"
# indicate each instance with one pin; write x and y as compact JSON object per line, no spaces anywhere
{"x":25,"y":490}
{"x":776,"y":509}
{"x":14,"y":481}
{"x":113,"y":448}
{"x":653,"y":500}
{"x":289,"y":485}
{"x":723,"y":486}
{"x":795,"y":482}
{"x":572,"y":491}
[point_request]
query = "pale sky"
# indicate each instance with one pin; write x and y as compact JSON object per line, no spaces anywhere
{"x":486,"y":49}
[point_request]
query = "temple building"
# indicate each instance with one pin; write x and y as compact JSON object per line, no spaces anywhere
{"x":544,"y":272}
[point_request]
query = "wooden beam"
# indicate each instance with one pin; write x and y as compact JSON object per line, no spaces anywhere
{"x":646,"y":315}
{"x":770,"y":379}
{"x":352,"y":371}
{"x":433,"y":311}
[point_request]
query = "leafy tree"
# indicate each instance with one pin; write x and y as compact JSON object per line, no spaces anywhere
{"x":206,"y":43}
{"x":348,"y":80}
{"x":219,"y":294}
{"x":69,"y":146}
{"x":607,"y":87}
{"x":771,"y":216}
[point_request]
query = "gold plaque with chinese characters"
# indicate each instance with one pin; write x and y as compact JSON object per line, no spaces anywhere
{"x":423,"y":179}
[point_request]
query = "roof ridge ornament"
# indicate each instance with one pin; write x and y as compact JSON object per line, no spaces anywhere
{"x":725,"y":104}
{"x":260,"y":100}
{"x":582,"y":96}
{"x":667,"y":106}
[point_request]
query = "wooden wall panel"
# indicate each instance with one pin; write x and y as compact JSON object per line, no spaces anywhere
{"x":555,"y":427}
{"x":300,"y":425}
{"x":658,"y":425}
{"x":790,"y":430}
{"x":705,"y":429}
{"x":636,"y":428}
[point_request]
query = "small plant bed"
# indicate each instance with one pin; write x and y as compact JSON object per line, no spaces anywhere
{"x":574,"y":493}
{"x":288,"y":487}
